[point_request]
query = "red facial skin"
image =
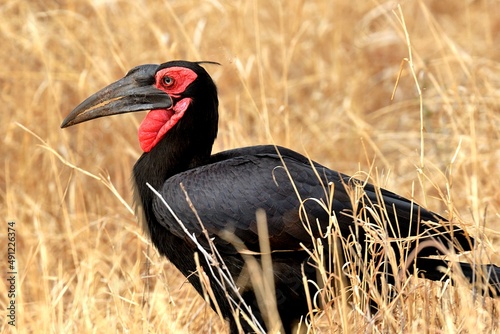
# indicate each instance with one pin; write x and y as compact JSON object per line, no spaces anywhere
{"x":173,"y":81}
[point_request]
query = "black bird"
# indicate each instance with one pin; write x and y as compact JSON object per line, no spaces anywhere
{"x":226,"y":189}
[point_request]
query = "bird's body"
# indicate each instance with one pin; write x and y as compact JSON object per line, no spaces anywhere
{"x":226,"y":189}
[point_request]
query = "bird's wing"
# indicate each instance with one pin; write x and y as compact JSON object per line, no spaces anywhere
{"x":226,"y":194}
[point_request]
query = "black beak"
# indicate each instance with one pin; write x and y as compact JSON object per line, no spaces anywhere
{"x":135,"y":92}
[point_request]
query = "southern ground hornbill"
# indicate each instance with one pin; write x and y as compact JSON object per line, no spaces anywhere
{"x":302,"y":200}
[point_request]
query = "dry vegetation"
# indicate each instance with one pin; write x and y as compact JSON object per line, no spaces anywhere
{"x":316,"y":76}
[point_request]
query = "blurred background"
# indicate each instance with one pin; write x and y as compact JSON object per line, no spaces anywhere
{"x":407,"y":91}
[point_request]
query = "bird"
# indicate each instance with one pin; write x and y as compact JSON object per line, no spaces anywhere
{"x":191,"y":200}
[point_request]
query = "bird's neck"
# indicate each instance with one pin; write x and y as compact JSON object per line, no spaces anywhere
{"x":186,"y":145}
{"x":172,"y":155}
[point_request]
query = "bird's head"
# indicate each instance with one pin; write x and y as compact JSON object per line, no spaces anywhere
{"x":180,"y":95}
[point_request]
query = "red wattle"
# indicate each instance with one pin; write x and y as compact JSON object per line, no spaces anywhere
{"x":158,"y":122}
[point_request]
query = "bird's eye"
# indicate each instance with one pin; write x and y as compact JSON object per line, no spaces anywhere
{"x":168,"y":81}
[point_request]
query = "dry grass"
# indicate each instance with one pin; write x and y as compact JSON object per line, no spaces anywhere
{"x":316,"y":76}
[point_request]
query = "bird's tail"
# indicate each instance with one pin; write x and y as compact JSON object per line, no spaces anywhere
{"x":484,"y":277}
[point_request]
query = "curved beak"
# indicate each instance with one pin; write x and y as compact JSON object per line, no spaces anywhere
{"x":135,"y":92}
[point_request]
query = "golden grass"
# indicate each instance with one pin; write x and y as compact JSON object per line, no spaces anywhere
{"x":316,"y":76}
